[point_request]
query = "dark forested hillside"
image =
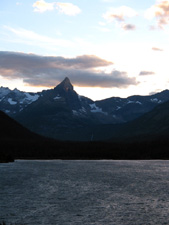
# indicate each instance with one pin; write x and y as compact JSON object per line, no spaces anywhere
{"x":10,"y":129}
{"x":143,"y":138}
{"x":26,"y":145}
{"x":151,"y":125}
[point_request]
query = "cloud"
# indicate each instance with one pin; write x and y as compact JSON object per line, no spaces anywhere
{"x":157,"y":49}
{"x":19,"y":60}
{"x":145,"y":73}
{"x":89,"y":61}
{"x":160,"y":11}
{"x":128,"y":26}
{"x":83,"y":78}
{"x":119,"y":14}
{"x":42,"y":6}
{"x":66,"y":8}
{"x":47,"y":71}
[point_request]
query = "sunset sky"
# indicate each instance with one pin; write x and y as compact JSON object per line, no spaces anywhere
{"x":106,"y":47}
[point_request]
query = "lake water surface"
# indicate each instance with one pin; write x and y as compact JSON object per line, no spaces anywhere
{"x":85,"y":192}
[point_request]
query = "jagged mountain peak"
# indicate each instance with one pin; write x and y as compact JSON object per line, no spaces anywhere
{"x":66,"y":85}
{"x":66,"y":80}
{"x":4,"y":91}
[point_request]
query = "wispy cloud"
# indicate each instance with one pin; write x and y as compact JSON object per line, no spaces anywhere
{"x":119,"y":14}
{"x":38,"y":70}
{"x":42,"y":6}
{"x":128,"y":26}
{"x":157,"y":49}
{"x":145,"y":73}
{"x":160,"y":11}
{"x":32,"y":38}
{"x":66,"y":8}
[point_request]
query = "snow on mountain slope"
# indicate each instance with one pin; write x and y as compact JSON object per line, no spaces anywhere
{"x":14,"y":101}
{"x":11,"y":102}
{"x":31,"y":97}
{"x":96,"y":109}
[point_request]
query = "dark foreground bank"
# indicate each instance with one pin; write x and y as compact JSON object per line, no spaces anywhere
{"x":155,"y":148}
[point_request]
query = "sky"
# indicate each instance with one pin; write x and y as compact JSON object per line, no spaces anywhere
{"x":107,"y":48}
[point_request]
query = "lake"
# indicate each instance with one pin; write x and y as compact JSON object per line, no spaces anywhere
{"x":84,"y":192}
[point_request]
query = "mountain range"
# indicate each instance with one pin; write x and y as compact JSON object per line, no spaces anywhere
{"x":62,"y":114}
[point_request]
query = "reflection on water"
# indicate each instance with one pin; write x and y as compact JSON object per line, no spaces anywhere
{"x":85,"y":192}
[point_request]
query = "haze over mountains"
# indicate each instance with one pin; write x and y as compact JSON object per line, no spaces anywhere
{"x":62,"y":114}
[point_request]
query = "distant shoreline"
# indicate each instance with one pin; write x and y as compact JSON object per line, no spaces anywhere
{"x":37,"y":159}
